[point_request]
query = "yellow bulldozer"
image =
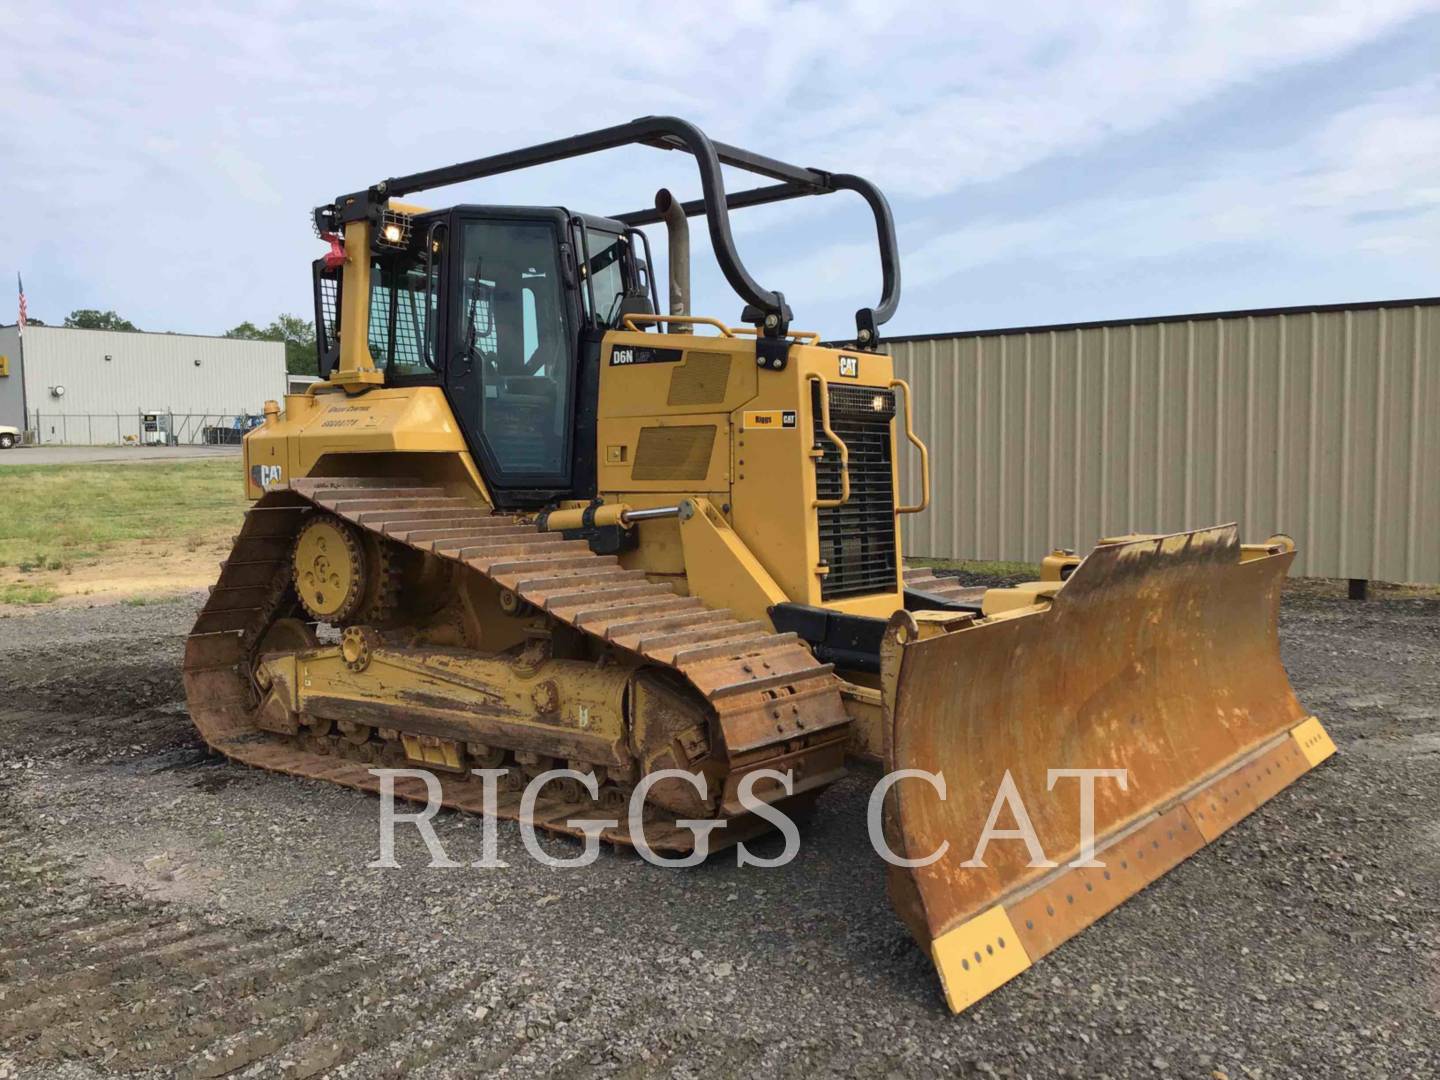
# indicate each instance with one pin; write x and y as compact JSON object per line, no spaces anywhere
{"x":528,"y":522}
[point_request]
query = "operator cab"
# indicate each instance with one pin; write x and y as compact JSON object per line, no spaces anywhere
{"x":504,"y":307}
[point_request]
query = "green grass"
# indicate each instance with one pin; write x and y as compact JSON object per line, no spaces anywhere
{"x":27,"y":594}
{"x":53,"y":516}
{"x":1000,"y":568}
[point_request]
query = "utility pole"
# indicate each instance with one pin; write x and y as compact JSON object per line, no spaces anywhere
{"x":20,"y":333}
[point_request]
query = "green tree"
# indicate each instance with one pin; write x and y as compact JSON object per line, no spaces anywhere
{"x":295,"y":333}
{"x":91,"y":319}
{"x":247,"y":330}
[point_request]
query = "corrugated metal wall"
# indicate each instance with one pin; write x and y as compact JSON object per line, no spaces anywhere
{"x":112,"y":372}
{"x":12,"y":408}
{"x":1317,"y":423}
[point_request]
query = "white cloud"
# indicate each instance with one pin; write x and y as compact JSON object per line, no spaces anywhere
{"x":166,"y":156}
{"x":1365,"y":180}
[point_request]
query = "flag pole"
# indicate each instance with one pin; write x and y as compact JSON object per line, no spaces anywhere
{"x":20,"y":361}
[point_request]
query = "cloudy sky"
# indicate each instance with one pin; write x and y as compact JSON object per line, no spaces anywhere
{"x":1044,"y":164}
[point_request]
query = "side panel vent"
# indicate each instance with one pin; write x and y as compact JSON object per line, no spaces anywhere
{"x":673,"y":453}
{"x":701,"y":380}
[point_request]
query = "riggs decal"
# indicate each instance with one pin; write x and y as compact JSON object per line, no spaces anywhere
{"x":770,"y":420}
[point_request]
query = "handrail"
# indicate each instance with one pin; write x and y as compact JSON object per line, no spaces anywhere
{"x":914,"y":439}
{"x":811,"y":336}
{"x":831,"y":504}
{"x":629,"y":321}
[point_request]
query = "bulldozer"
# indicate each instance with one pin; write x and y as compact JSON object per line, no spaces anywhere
{"x":531,"y":524}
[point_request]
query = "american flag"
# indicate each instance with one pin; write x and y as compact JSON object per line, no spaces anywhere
{"x":21,"y":323}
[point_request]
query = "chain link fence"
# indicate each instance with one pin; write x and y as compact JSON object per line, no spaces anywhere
{"x":138,"y":429}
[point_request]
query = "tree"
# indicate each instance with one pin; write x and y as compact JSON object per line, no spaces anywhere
{"x":297,"y":335}
{"x":248,"y":331}
{"x":90,"y":319}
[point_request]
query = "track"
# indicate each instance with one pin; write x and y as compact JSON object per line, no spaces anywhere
{"x":768,"y":693}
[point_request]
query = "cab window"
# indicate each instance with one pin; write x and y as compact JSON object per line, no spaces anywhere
{"x":401,"y":341}
{"x":512,"y":339}
{"x":606,"y":272}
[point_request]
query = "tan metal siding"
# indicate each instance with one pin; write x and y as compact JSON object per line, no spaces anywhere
{"x":1317,"y":424}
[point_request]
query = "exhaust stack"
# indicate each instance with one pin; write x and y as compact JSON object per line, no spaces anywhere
{"x":677,"y":226}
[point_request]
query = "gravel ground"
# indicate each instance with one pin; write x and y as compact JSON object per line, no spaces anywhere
{"x":166,"y":913}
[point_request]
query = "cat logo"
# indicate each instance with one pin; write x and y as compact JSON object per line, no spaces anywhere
{"x":850,"y":367}
{"x":267,"y":477}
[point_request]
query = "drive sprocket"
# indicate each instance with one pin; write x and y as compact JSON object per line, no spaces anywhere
{"x":329,"y":569}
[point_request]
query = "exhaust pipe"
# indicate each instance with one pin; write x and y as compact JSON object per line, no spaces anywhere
{"x":678,"y":228}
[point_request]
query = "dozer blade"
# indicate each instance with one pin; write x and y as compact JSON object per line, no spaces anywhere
{"x":1159,"y":657}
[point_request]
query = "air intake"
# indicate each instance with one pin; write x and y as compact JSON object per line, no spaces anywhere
{"x":701,"y":380}
{"x":674,"y":453}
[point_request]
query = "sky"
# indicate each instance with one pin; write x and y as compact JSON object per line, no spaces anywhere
{"x":1045,"y":162}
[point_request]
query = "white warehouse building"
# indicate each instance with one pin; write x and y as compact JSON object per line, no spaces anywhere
{"x":110,"y":386}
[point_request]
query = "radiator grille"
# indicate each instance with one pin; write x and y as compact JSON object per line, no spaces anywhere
{"x":673,"y":453}
{"x":701,"y":380}
{"x":857,"y":540}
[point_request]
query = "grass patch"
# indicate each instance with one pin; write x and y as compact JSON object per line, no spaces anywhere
{"x":57,"y":515}
{"x":27,"y":594}
{"x":991,"y":574}
{"x":1026,"y":571}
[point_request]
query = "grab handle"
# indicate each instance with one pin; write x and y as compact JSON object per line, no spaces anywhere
{"x":690,"y":320}
{"x":914,"y":439}
{"x":830,"y":504}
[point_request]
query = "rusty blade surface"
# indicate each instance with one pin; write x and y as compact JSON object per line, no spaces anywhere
{"x":1159,"y":657}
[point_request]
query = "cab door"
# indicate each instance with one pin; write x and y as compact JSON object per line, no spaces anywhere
{"x":510,"y":371}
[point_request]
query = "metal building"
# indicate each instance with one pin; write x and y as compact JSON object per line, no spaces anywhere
{"x":1318,"y":422}
{"x":95,"y":386}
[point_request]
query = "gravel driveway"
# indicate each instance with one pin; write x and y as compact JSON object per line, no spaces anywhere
{"x":165,"y":912}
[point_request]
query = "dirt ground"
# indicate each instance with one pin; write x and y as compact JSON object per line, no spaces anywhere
{"x":141,"y":571}
{"x":165,"y":913}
